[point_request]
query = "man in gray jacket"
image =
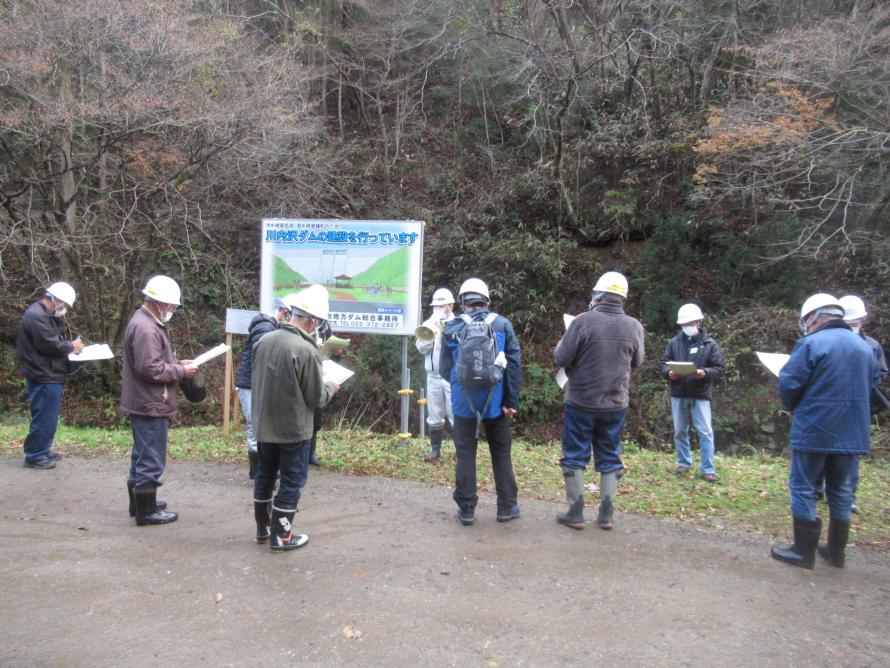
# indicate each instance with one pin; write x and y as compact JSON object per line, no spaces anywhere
{"x":598,"y":352}
{"x":287,"y":385}
{"x":149,"y":378}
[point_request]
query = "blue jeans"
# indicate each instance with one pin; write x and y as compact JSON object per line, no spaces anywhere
{"x":497,"y":432}
{"x":698,"y":413}
{"x":244,"y":398}
{"x":45,"y":400}
{"x":840,"y":471}
{"x":292,"y":461}
{"x":148,"y":459}
{"x":599,"y":429}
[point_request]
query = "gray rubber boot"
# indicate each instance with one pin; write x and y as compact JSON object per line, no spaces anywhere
{"x":608,"y":490}
{"x":435,"y":452}
{"x":574,"y":515}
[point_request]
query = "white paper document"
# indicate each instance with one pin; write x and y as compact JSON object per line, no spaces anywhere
{"x":97,"y":351}
{"x":561,"y":377}
{"x":214,"y":352}
{"x":682,"y":368}
{"x":773,"y":361}
{"x":333,"y":372}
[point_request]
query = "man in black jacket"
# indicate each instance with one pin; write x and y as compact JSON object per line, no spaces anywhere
{"x":261,"y":325}
{"x":43,"y":346}
{"x":691,"y":393}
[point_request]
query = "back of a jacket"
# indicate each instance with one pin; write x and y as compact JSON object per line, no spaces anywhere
{"x":42,"y":346}
{"x":260,"y":326}
{"x":826,"y":384}
{"x":598,"y":351}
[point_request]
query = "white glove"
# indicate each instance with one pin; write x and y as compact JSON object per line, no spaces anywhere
{"x":501,"y":360}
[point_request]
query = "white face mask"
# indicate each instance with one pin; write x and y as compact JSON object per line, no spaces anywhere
{"x":856,"y":328}
{"x":61,"y":311}
{"x":168,"y":315}
{"x":690,"y":330}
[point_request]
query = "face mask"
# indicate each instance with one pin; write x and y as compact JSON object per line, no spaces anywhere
{"x":855,"y":328}
{"x":690,"y":330}
{"x":804,"y":327}
{"x":60,"y":311}
{"x":168,"y":315}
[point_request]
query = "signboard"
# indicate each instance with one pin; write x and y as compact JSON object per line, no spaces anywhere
{"x":371,"y":268}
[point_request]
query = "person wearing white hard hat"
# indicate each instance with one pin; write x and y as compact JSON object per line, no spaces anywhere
{"x":259,"y":326}
{"x":691,"y":393}
{"x":481,"y":360}
{"x":856,"y":316}
{"x":825,"y":385}
{"x":42,"y":347}
{"x":438,"y":390}
{"x":150,"y":375}
{"x":598,"y":351}
{"x":287,"y":384}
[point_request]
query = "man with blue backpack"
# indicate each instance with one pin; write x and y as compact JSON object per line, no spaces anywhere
{"x":481,"y":359}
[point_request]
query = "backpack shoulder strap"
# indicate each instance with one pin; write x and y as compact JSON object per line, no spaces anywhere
{"x":490,"y":318}
{"x":467,"y":319}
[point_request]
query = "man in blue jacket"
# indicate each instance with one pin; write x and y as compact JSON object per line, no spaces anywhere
{"x":826,"y":385}
{"x":491,"y":407}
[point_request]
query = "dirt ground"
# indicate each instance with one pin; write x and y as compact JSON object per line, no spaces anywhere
{"x":389,"y":577}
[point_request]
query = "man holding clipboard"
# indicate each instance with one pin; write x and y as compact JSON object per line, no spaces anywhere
{"x":692,"y":362}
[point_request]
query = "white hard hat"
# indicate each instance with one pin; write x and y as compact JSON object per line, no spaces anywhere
{"x":312,"y":300}
{"x":689,"y":313}
{"x":473,"y":288}
{"x":441,"y":297}
{"x":854,"y":308}
{"x":162,"y":289}
{"x":612,"y":282}
{"x":821,"y":301}
{"x":63,"y":292}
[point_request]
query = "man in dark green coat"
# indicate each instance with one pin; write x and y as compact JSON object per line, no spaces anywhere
{"x":287,"y":385}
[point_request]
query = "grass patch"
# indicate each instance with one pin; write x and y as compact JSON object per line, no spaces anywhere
{"x":751,"y":494}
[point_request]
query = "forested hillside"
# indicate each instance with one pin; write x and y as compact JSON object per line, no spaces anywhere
{"x":734,"y":153}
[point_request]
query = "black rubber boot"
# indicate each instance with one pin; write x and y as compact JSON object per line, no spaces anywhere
{"x":147,"y":511}
{"x":283,"y":536}
{"x":608,"y":490}
{"x":802,"y":553}
{"x":262,"y":511}
{"x":574,"y":515}
{"x":833,"y":550}
{"x":436,"y":434}
{"x":160,"y":505}
{"x":251,"y":464}
{"x":315,"y":461}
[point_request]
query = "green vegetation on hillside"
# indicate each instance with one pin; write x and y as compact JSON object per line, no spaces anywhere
{"x":390,"y":270}
{"x":284,"y":275}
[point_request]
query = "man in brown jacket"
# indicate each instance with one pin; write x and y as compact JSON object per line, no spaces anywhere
{"x":287,"y":385}
{"x":598,"y":351}
{"x":150,"y":375}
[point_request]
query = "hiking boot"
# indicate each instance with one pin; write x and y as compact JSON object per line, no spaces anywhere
{"x":802,"y":553}
{"x":709,"y":477}
{"x":55,"y":456}
{"x":42,"y":463}
{"x":574,"y":515}
{"x":466,"y":517}
{"x":682,"y":469}
{"x":510,"y":514}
